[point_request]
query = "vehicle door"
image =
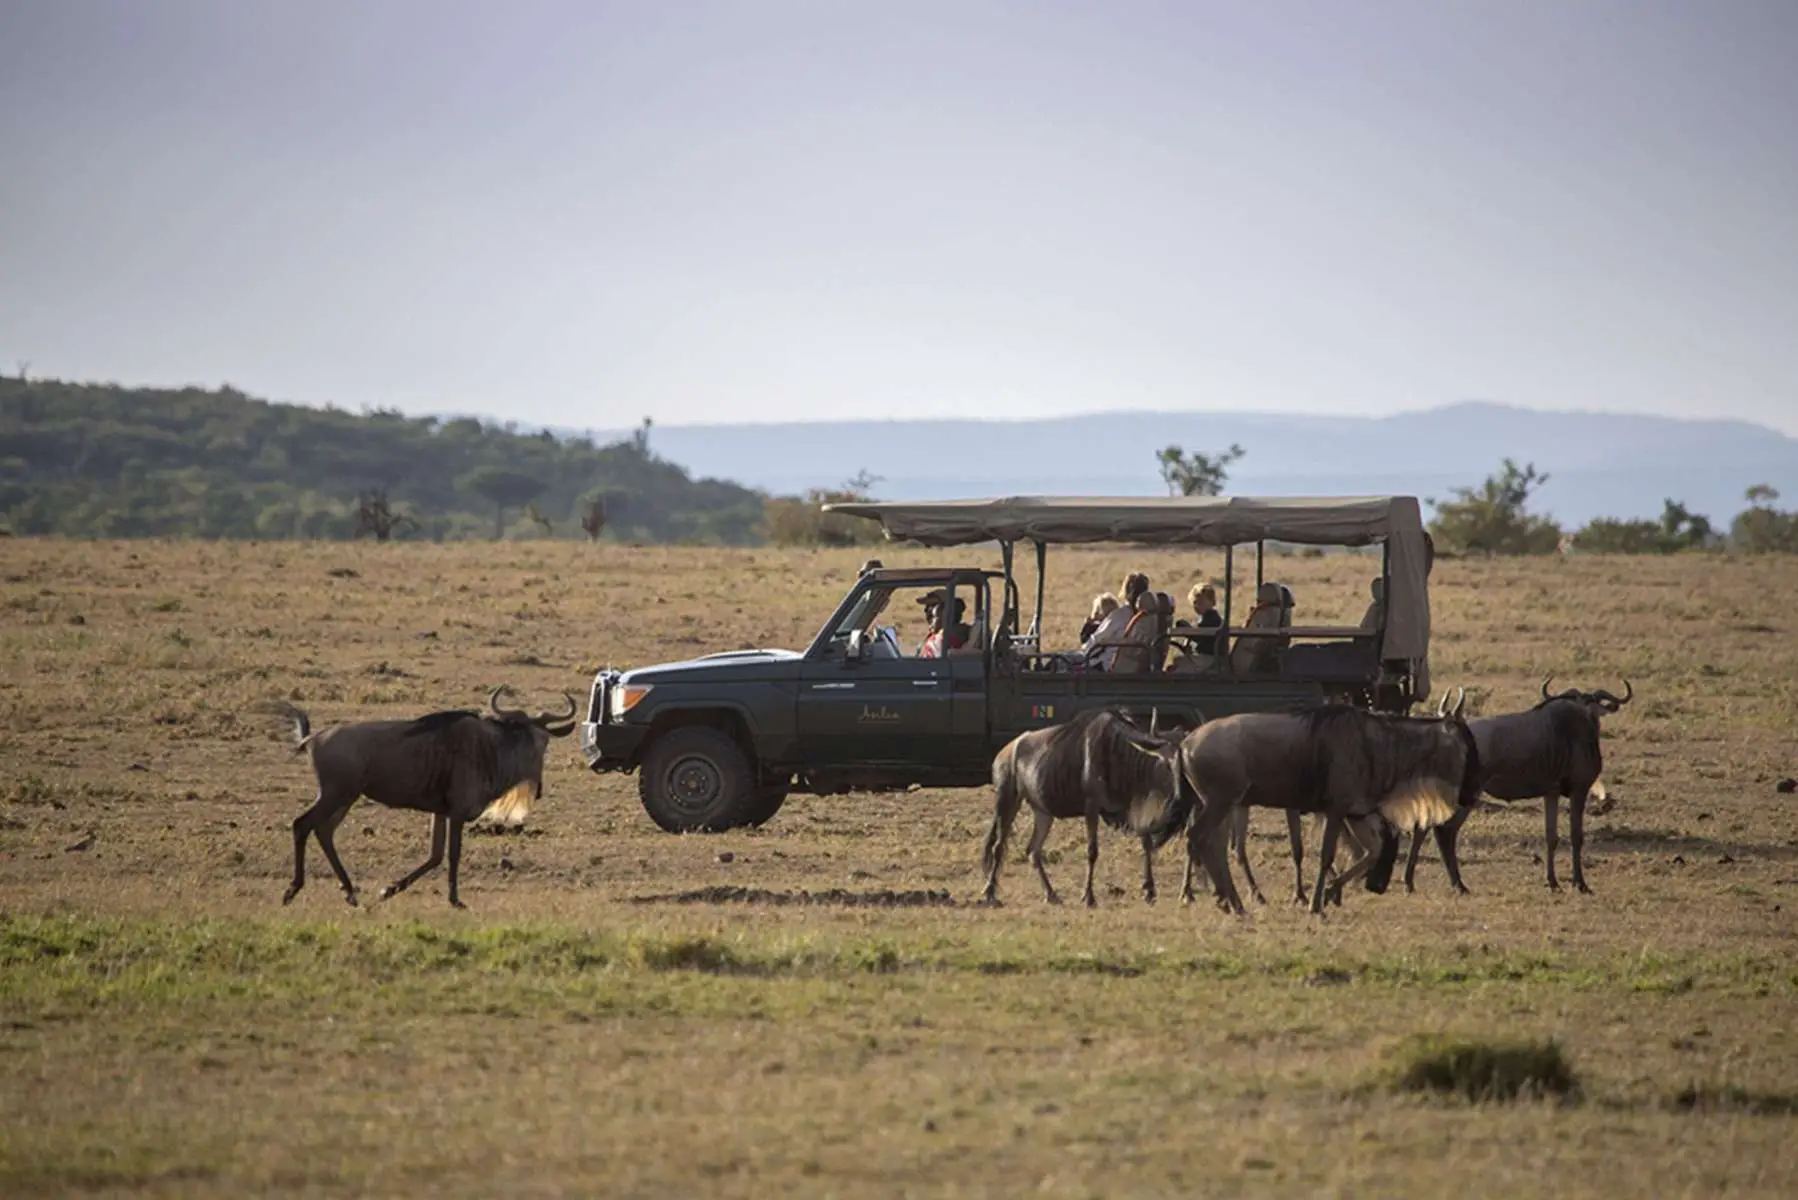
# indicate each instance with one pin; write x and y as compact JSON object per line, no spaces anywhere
{"x":866,"y":697}
{"x":969,"y":747}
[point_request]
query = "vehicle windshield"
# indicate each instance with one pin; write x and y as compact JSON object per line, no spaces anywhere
{"x":905,"y":615}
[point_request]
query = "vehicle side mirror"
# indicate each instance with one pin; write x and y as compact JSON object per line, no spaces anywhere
{"x":857,"y":649}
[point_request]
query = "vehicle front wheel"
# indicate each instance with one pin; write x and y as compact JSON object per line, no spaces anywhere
{"x":696,"y":780}
{"x":768,"y":799}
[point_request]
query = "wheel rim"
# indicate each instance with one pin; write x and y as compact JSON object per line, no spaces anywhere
{"x":694,"y":783}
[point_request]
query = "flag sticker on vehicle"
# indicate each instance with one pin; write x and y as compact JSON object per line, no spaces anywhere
{"x":1042,"y":712}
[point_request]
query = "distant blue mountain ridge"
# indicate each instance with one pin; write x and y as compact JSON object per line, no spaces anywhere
{"x":1599,"y":464}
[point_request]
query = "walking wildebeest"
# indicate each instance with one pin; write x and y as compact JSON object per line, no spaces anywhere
{"x":1551,"y":751}
{"x":1096,"y":765}
{"x":1349,"y":764}
{"x":456,"y":765}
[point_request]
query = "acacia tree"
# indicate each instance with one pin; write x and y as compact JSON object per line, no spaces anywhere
{"x":1195,"y":474}
{"x":1763,"y":529}
{"x":503,"y":489}
{"x":374,"y":515}
{"x":1490,"y":519}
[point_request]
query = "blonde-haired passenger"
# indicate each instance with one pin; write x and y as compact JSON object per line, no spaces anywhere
{"x":1203,"y":598}
{"x":1104,"y":604}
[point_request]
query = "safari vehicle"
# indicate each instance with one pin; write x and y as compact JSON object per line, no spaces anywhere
{"x":720,"y":741}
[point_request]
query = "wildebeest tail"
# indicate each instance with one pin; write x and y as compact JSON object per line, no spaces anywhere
{"x":1005,"y":807}
{"x":302,"y":724}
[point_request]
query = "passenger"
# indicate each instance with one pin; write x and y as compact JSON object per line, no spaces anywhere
{"x":1135,"y":584}
{"x":1101,"y":647}
{"x":1139,"y":638}
{"x":1204,"y":606}
{"x":1104,"y":604}
{"x":1376,"y":612}
{"x":873,"y":564}
{"x":958,"y":630}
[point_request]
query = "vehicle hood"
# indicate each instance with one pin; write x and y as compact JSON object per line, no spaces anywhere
{"x":732,"y":664}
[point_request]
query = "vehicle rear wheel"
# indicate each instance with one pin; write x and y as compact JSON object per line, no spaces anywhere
{"x":696,"y":780}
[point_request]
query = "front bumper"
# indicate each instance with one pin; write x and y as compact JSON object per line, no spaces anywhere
{"x":611,"y":747}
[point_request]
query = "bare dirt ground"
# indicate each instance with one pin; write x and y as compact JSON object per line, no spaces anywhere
{"x":815,"y":1007}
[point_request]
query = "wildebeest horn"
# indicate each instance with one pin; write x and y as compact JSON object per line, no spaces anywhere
{"x":1154,"y":715}
{"x":548,"y":718}
{"x":1628,"y":691}
{"x":1545,"y":684}
{"x":1460,"y":702}
{"x":493,"y":703}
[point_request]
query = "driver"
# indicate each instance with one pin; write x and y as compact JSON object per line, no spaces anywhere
{"x":957,"y":628}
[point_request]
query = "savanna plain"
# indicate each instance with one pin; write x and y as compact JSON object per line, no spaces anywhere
{"x":817,"y":1007}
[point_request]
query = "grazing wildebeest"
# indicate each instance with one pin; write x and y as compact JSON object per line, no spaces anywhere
{"x":1551,"y":751}
{"x":1096,"y":765}
{"x":457,"y":766}
{"x":1346,"y":763}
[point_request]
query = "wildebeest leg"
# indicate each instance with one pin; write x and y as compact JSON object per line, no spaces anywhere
{"x":1295,"y":830}
{"x":1411,"y":859}
{"x":1039,"y":834}
{"x":1239,"y":841}
{"x":438,"y":825}
{"x":302,"y":829}
{"x":1092,"y":856}
{"x":1325,"y":855}
{"x":1203,"y":844}
{"x":1576,"y":818}
{"x":1364,"y":838}
{"x":326,"y":831}
{"x":1447,"y":836}
{"x":455,"y":864}
{"x":1148,"y":871}
{"x":1551,"y":816}
{"x":1006,"y":798}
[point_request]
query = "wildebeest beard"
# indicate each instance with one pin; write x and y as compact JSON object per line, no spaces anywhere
{"x":1143,"y":771}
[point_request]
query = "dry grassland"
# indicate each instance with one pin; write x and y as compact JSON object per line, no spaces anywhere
{"x":167,"y":1027}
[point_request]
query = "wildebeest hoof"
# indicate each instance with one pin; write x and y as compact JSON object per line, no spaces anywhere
{"x":291,"y":893}
{"x":1090,"y":901}
{"x":1461,"y":889}
{"x":349,"y":898}
{"x":388,"y":892}
{"x":457,"y":904}
{"x":1583,"y":889}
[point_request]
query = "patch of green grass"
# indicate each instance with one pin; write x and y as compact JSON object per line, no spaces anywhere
{"x":1483,"y":1071}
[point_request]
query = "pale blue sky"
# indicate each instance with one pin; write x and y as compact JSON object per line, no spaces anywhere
{"x":581,"y":213}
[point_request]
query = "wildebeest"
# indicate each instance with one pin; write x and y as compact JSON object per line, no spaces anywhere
{"x":1349,"y":764}
{"x":1551,"y":751}
{"x":1096,"y":765}
{"x":457,"y":766}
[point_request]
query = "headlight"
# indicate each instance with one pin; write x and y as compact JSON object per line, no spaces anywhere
{"x":626,"y":696}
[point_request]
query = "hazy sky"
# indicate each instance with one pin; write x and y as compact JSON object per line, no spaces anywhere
{"x":581,"y":213}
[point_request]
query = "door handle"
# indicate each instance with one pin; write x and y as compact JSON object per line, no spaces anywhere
{"x":923,"y":683}
{"x":833,"y":687}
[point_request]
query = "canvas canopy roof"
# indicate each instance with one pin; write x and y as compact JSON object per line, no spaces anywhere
{"x":1396,"y":521}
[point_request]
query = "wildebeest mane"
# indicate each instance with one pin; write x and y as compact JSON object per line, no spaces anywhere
{"x":1389,"y":749}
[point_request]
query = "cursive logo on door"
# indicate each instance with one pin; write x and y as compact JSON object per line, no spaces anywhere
{"x":882,"y":715}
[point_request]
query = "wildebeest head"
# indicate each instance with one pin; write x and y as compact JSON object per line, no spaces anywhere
{"x":522,"y":744}
{"x":1452,"y":719}
{"x":1601,"y":701}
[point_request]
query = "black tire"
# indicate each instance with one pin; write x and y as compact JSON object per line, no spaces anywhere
{"x":768,"y":800}
{"x":696,"y":780}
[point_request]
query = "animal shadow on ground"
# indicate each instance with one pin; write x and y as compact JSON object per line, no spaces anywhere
{"x":837,"y":897}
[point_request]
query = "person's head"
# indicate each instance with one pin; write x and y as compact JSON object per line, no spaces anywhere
{"x":1377,"y":589}
{"x":1147,"y":602}
{"x":1104,"y":604}
{"x":1203,"y":597}
{"x":1135,"y":584}
{"x":873,"y":564}
{"x":1269,"y":593}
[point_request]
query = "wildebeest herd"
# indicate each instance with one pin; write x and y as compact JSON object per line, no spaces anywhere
{"x":1373,"y":776}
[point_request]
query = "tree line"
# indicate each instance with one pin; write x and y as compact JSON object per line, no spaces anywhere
{"x":101,"y":460}
{"x":1494,"y":518}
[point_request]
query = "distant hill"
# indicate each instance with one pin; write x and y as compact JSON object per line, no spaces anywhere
{"x":108,"y":461}
{"x":1600,"y":464}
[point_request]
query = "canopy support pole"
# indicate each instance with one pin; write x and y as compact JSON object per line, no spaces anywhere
{"x":1036,"y":618}
{"x":1229,"y":590}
